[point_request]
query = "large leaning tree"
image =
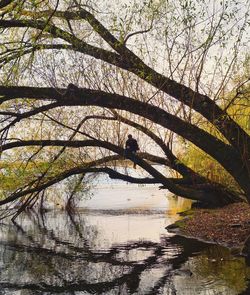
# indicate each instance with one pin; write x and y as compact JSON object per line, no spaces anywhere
{"x":77,"y":76}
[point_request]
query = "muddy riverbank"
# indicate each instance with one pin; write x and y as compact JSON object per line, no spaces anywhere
{"x":228,"y":226}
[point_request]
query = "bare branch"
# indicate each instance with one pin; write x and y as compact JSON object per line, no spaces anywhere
{"x":128,"y":60}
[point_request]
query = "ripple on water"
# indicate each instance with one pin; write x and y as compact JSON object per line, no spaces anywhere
{"x":118,"y":253}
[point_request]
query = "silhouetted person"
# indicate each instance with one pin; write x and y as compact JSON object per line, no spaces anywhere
{"x":131,"y":148}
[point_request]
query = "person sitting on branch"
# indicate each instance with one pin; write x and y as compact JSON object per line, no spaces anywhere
{"x":131,"y":148}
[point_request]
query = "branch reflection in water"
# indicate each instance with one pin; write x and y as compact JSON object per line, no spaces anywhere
{"x":95,"y":252}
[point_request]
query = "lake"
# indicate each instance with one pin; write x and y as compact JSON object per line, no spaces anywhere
{"x":115,"y":244}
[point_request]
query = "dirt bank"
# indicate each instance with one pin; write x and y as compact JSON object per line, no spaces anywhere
{"x":228,"y":226}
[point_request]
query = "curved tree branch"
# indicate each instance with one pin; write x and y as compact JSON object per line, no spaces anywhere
{"x":126,"y":59}
{"x":199,"y":102}
{"x":222,"y":152}
{"x":17,"y":53}
{"x":19,"y":117}
{"x":77,"y":44}
{"x":176,"y":187}
{"x":174,"y":162}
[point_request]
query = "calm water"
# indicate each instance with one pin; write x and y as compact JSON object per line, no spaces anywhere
{"x":118,"y":246}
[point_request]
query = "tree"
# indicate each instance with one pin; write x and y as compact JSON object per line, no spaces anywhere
{"x":104,"y":54}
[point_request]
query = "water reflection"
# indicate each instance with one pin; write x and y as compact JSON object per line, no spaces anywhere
{"x":96,"y":252}
{"x":103,"y":253}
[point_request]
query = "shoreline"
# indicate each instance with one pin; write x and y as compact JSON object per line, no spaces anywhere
{"x":228,"y":226}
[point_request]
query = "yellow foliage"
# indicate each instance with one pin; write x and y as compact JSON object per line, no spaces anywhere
{"x":199,"y":161}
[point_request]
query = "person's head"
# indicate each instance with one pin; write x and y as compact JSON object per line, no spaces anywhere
{"x":129,"y":136}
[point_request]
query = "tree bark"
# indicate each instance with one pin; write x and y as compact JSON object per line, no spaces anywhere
{"x":225,"y":154}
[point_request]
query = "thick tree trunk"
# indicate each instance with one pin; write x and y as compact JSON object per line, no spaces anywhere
{"x":207,"y":193}
{"x":225,"y":154}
